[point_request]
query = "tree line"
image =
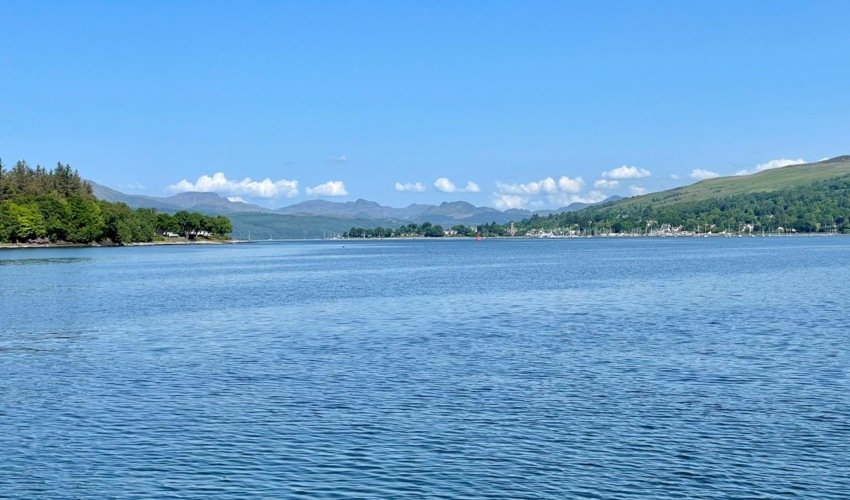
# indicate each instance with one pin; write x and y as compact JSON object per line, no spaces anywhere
{"x":820,"y":207}
{"x":57,"y":205}
{"x":427,"y":230}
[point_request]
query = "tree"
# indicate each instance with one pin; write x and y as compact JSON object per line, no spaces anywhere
{"x":118,"y":222}
{"x":222,"y":226}
{"x":433,"y":231}
{"x":54,"y":210}
{"x":86,"y":220}
{"x":166,"y":223}
{"x":189,"y":222}
{"x":22,"y":222}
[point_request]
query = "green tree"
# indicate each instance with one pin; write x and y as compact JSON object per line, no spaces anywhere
{"x":54,"y":210}
{"x":22,"y":222}
{"x":86,"y":220}
{"x":189,"y":222}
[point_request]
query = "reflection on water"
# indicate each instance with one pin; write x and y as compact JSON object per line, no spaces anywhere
{"x":43,"y":261}
{"x":500,"y":369}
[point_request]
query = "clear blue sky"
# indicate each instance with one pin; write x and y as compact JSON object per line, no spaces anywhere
{"x":142,"y":95}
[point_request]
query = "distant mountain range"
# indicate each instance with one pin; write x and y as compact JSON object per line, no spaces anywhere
{"x":363,"y":211}
{"x":318,"y":218}
{"x":208,"y":203}
{"x":454,"y":212}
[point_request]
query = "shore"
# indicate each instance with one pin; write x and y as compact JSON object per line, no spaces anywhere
{"x":181,"y":241}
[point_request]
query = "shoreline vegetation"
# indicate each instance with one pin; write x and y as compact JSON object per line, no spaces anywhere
{"x":513,"y":230}
{"x":168,"y":242}
{"x":794,"y":200}
{"x":56,"y":208}
{"x":596,"y":236}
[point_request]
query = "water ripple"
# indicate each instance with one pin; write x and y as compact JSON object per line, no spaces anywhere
{"x":560,"y":369}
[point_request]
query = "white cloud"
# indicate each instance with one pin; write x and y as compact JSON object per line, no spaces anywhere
{"x":235,"y":199}
{"x":605,"y":184}
{"x":415,"y":187}
{"x":563,"y":199}
{"x":771,"y":165}
{"x":136,"y":186}
{"x":637,"y":190}
{"x":560,"y":192}
{"x":569,"y":185}
{"x":545,"y":186}
{"x":701,"y":174}
{"x":504,"y":201}
{"x":330,"y":188}
{"x":219,"y":183}
{"x":627,"y":172}
{"x":778,"y":164}
{"x":447,"y":186}
{"x":507,"y":201}
{"x":675,"y":177}
{"x":338,"y":159}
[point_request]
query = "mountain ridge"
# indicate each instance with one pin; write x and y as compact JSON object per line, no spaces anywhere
{"x":447,"y":212}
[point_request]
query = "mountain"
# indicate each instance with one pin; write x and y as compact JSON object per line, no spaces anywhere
{"x":211,"y":202}
{"x":318,"y":218}
{"x":261,"y":226}
{"x":450,"y":212}
{"x":344,"y":210}
{"x":134,"y":201}
{"x":207,"y":203}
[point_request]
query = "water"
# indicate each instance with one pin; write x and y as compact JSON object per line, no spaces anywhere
{"x":569,"y":368}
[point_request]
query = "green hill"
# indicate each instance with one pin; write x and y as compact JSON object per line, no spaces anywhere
{"x":777,"y":179}
{"x":813,"y":197}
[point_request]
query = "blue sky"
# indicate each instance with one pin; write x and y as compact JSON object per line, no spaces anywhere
{"x":529,"y":104}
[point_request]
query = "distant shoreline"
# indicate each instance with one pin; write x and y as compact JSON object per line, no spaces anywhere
{"x":15,"y":246}
{"x":596,"y":236}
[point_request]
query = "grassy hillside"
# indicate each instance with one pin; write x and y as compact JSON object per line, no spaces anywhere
{"x":762,"y":182}
{"x":806,"y":198}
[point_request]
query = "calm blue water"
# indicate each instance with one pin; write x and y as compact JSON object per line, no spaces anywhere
{"x":562,"y":369}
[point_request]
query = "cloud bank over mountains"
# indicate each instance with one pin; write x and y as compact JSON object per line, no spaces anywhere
{"x":548,"y":192}
{"x":410,"y":187}
{"x":566,"y":190}
{"x":266,"y":189}
{"x":219,"y":183}
{"x":627,"y":172}
{"x":443,"y":184}
{"x":330,"y":188}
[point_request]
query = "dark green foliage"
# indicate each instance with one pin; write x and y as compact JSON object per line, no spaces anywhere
{"x":193,"y":224}
{"x":59,"y":205}
{"x":822,"y":206}
{"x":426,"y":229}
